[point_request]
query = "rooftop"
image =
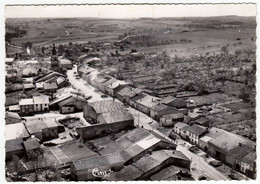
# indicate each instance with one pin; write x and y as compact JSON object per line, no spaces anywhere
{"x":31,"y":144}
{"x":196,"y":129}
{"x":227,"y":141}
{"x":116,"y":84}
{"x":106,"y":106}
{"x":35,"y":126}
{"x":14,"y":145}
{"x":113,"y":117}
{"x":15,"y":131}
{"x":173,"y":116}
{"x":52,"y":85}
{"x":41,"y":99}
{"x":128,"y":173}
{"x":12,"y":115}
{"x":127,"y":91}
{"x":65,"y":61}
{"x":160,"y":107}
{"x":180,"y":125}
{"x":90,"y":163}
{"x":165,"y":173}
{"x":148,"y":101}
{"x":14,"y":108}
{"x":250,"y":158}
{"x":28,"y":86}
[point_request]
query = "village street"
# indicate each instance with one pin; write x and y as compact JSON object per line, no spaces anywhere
{"x":201,"y":167}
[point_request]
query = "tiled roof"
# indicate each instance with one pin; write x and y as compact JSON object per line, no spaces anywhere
{"x":113,"y":117}
{"x":168,"y":99}
{"x":14,"y":145}
{"x":106,"y":106}
{"x":160,"y":107}
{"x":165,"y":173}
{"x":35,"y":126}
{"x":127,"y":91}
{"x":250,"y":158}
{"x":196,"y":129}
{"x":227,"y":141}
{"x":181,"y":125}
{"x":90,"y":163}
{"x":128,"y":173}
{"x":148,"y":101}
{"x":240,"y":151}
{"x":31,"y":144}
{"x":173,"y":116}
{"x":28,"y":86}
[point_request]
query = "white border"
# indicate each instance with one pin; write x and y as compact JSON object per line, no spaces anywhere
{"x":28,"y":2}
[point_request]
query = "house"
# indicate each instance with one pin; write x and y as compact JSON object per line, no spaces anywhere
{"x":157,"y":111}
{"x":65,"y":63}
{"x":179,"y":129}
{"x":248,"y":165}
{"x":12,"y":117}
{"x":49,"y":75}
{"x":194,"y":132}
{"x":54,"y":105}
{"x":99,"y":80}
{"x":114,"y":87}
{"x":126,"y":93}
{"x":106,"y":84}
{"x":41,"y":103}
{"x":14,"y":147}
{"x":204,"y":140}
{"x":106,"y":116}
{"x":9,"y":61}
{"x":221,"y":146}
{"x":14,"y":108}
{"x":171,"y":119}
{"x":144,"y":102}
{"x":62,"y":82}
{"x":28,"y":86}
{"x":39,"y":85}
{"x":29,"y":72}
{"x":174,"y":102}
{"x":82,"y":170}
{"x":26,"y":106}
{"x":16,"y":131}
{"x":50,"y":88}
{"x":31,"y":145}
{"x":43,"y":130}
{"x":71,"y":105}
{"x":203,"y":121}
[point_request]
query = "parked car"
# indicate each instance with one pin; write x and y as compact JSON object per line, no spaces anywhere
{"x":173,"y":136}
{"x":104,"y":96}
{"x":194,"y":149}
{"x":88,"y":97}
{"x":215,"y":163}
{"x":202,"y":178}
{"x":233,"y":177}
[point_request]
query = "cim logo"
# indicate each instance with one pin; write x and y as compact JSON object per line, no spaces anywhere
{"x":101,"y":173}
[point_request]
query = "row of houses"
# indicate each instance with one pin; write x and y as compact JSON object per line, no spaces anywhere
{"x":139,"y":150}
{"x":232,"y":149}
{"x":135,"y":97}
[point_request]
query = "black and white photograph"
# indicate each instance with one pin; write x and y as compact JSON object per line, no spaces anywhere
{"x":128,"y":92}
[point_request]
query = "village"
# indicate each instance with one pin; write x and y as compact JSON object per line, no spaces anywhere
{"x":112,"y":111}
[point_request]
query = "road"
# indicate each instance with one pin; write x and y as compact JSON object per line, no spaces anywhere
{"x":199,"y":164}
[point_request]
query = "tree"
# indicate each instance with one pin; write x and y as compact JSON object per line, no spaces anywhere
{"x":224,"y":49}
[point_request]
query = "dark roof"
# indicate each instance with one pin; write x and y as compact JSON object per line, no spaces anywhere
{"x":67,"y":101}
{"x":196,"y":129}
{"x":250,"y":158}
{"x":90,"y":163}
{"x":60,"y":99}
{"x":240,"y":151}
{"x":128,"y":173}
{"x":168,"y":99}
{"x":165,"y":173}
{"x":14,"y":145}
{"x":174,"y":116}
{"x":31,"y":144}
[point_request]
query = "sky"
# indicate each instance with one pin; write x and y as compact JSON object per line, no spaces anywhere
{"x":130,"y":11}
